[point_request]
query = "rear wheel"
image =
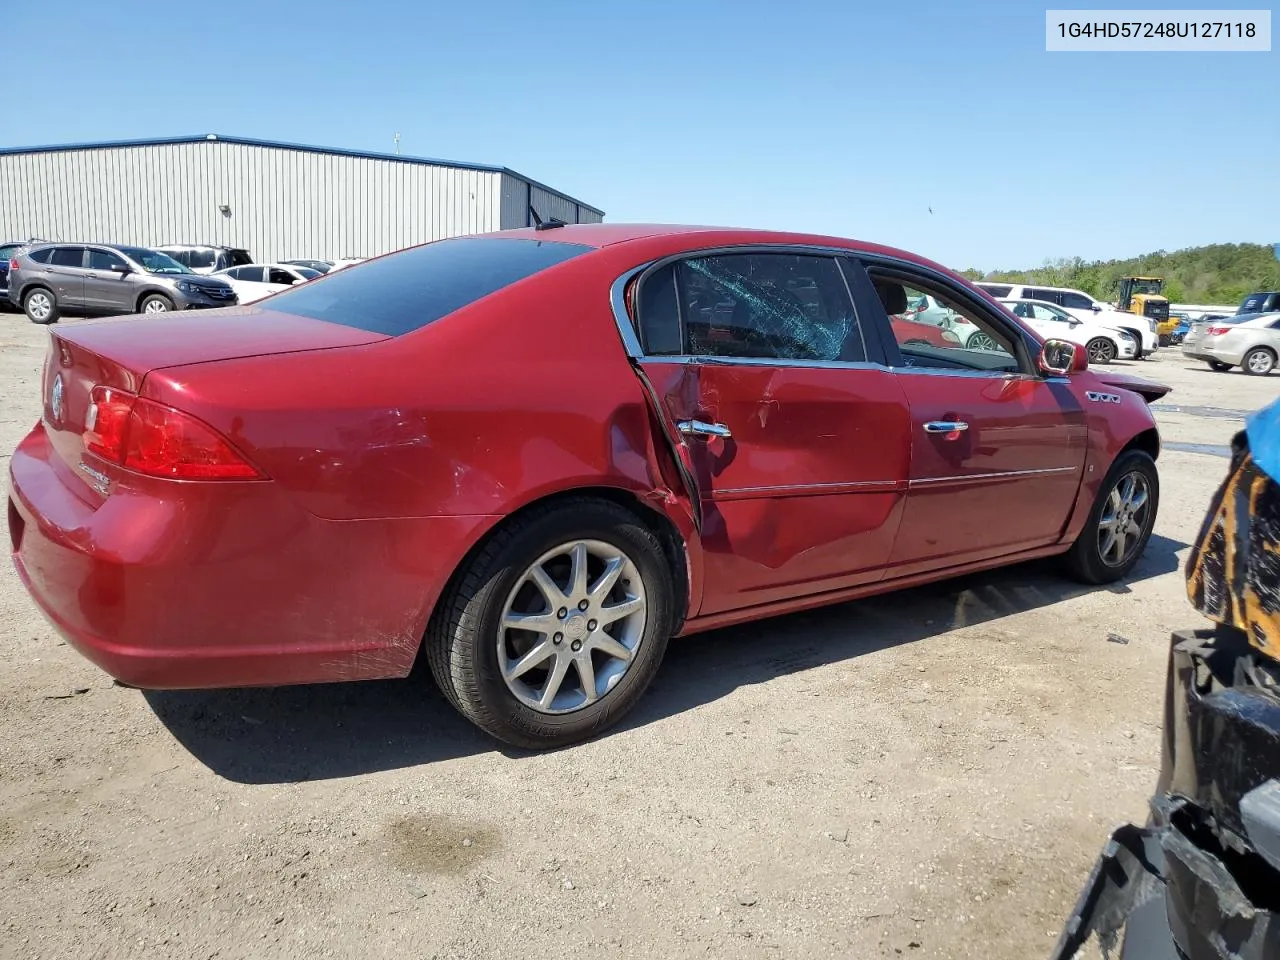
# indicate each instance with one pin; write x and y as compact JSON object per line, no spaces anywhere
{"x":1258,"y":362}
{"x":41,"y":305}
{"x":554,"y":630}
{"x":155,"y":303}
{"x":1219,"y":366}
{"x":1120,"y":522}
{"x":1101,"y":350}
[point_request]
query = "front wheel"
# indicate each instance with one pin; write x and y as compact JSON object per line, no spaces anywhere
{"x":981,"y":341}
{"x":1101,"y":350}
{"x":1120,"y":522}
{"x":554,"y":630}
{"x":155,"y":303}
{"x":1219,"y":366}
{"x":1258,"y":362}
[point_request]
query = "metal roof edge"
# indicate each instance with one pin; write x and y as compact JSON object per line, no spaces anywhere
{"x":285,"y":145}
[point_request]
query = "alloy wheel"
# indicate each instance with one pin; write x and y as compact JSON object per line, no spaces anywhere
{"x":155,"y":306}
{"x":981,"y":341}
{"x":571,"y":626}
{"x":39,"y":306}
{"x":1101,"y":350}
{"x":1124,"y":518}
{"x":1260,"y":361}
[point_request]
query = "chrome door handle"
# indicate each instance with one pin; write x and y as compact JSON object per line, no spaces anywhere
{"x":945,"y":426}
{"x":700,"y":428}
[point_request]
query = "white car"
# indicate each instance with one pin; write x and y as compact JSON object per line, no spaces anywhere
{"x":926,"y":309}
{"x":1083,"y":307}
{"x":257,"y":280}
{"x":1103,"y":343}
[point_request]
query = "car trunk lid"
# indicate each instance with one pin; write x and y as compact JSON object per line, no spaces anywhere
{"x":119,"y":354}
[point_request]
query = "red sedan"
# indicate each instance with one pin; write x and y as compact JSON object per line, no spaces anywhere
{"x":537,"y":455}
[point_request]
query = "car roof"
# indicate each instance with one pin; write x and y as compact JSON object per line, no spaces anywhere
{"x":602,"y":235}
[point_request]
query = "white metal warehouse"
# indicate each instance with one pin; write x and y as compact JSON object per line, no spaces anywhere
{"x":277,"y":200}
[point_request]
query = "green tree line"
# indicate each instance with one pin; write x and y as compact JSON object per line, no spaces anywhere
{"x":1220,"y":273}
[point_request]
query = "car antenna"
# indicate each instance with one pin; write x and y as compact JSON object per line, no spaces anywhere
{"x":540,"y":224}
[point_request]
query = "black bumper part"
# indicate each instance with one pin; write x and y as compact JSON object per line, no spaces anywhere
{"x":1202,"y":880}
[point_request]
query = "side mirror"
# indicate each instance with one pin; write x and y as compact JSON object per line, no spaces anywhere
{"x":1097,"y":308}
{"x":1058,"y":358}
{"x":120,"y":268}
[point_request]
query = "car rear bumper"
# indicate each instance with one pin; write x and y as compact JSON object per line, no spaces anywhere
{"x":1200,"y":350}
{"x":172,"y":585}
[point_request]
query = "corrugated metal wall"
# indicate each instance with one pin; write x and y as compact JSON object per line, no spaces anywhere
{"x":283,"y":203}
{"x":517,"y":194}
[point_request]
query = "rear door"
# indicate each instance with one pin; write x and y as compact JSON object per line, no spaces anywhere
{"x":997,"y":450}
{"x":796,"y":445}
{"x":66,"y":275}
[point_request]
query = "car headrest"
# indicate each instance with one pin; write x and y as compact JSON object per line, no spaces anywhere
{"x":892,"y":295}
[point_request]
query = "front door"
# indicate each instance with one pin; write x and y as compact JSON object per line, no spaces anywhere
{"x":997,"y":450}
{"x":797,"y":446}
{"x":106,"y":285}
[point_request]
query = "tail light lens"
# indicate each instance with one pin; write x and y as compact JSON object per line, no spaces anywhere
{"x":1218,"y":331}
{"x":158,"y":440}
{"x":13,"y":264}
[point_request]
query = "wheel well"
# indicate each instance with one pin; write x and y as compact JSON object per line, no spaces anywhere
{"x":149,"y":293}
{"x":673,"y":546}
{"x":1261,"y":346}
{"x":1148,"y":441}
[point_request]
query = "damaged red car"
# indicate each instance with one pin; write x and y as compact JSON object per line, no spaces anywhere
{"x":535,"y":456}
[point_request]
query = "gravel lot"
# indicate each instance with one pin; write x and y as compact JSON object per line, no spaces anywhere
{"x":928,"y":774}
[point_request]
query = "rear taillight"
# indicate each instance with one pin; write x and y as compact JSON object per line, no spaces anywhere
{"x":13,"y":264}
{"x":1218,"y":331}
{"x":158,"y":440}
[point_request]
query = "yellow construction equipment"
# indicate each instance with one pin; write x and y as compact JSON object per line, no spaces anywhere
{"x":1141,"y":295}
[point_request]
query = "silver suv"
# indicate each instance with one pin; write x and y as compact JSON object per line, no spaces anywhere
{"x":46,"y":279}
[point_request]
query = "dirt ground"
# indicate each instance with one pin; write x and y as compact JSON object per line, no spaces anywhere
{"x":927,"y":775}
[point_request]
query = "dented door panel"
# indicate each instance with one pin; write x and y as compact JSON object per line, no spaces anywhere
{"x":805,"y":495}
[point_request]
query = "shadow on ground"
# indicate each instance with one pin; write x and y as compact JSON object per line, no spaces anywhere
{"x":290,"y":734}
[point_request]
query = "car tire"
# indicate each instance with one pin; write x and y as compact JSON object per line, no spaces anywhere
{"x":1087,"y":560}
{"x":475,"y":657}
{"x":41,"y":305}
{"x":1258,"y":362}
{"x":155,"y":303}
{"x":1219,"y":366}
{"x":1101,"y":350}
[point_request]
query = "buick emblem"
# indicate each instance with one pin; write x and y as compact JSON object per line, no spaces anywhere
{"x":55,"y":399}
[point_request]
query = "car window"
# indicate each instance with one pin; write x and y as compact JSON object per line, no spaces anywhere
{"x":996,"y":290}
{"x":8,"y":251}
{"x":966,"y":340}
{"x":765,"y":306}
{"x":103,"y":260}
{"x":252,"y":274}
{"x":1075,"y":301}
{"x":240,"y":257}
{"x":1041,"y":312}
{"x":276,"y":275}
{"x":41,"y":256}
{"x":67,"y":257}
{"x":405,"y":291}
{"x":200,"y":259}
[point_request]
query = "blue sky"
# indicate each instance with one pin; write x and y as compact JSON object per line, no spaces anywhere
{"x":850,"y":118}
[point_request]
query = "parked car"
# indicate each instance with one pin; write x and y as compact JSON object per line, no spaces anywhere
{"x":199,"y":258}
{"x":1103,"y":344}
{"x":539,"y":454}
{"x":47,"y":279}
{"x":1251,"y":342}
{"x":1262,"y":302}
{"x":7,"y":252}
{"x":319,"y":266}
{"x":263,"y":279}
{"x":1083,"y":307}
